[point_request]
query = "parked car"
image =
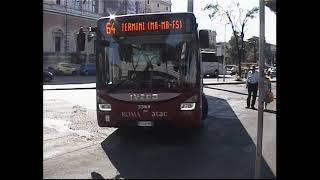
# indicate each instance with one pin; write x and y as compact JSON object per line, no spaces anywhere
{"x":88,"y":69}
{"x":231,"y":69}
{"x":65,"y":69}
{"x":47,"y":76}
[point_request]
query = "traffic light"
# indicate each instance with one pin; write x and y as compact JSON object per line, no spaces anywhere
{"x":81,"y":40}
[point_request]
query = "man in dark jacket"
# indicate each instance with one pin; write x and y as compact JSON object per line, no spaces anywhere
{"x":252,"y":85}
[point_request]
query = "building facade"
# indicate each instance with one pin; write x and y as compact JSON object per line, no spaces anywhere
{"x":153,"y":6}
{"x":212,"y":38}
{"x":61,"y":21}
{"x":63,"y":18}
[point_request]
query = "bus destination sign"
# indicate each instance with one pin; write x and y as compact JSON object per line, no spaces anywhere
{"x":117,"y":28}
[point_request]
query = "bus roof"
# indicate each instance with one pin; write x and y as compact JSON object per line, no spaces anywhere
{"x":145,"y":14}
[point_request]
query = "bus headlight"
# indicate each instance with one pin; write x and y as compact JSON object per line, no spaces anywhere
{"x":187,"y":106}
{"x":105,"y":107}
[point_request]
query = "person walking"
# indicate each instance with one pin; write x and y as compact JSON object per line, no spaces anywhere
{"x":267,"y":90}
{"x":252,"y":86}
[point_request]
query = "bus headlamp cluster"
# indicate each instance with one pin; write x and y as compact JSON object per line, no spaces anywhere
{"x":187,"y":106}
{"x":105,"y":107}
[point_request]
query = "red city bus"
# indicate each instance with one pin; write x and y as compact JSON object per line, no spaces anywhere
{"x":148,"y":71}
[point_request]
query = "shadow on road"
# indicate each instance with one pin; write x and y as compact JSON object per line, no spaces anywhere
{"x":95,"y":175}
{"x":223,"y":150}
{"x":270,"y":111}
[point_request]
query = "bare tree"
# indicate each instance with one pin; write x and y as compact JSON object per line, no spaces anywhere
{"x":236,"y":21}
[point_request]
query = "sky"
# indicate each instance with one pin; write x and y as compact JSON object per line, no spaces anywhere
{"x":252,"y":27}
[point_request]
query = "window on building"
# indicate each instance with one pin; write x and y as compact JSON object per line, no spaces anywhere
{"x":77,"y":4}
{"x":58,"y":2}
{"x":148,"y":2}
{"x":86,"y":5}
{"x":158,"y":5}
{"x":167,"y":8}
{"x":57,"y":44}
{"x":95,"y":6}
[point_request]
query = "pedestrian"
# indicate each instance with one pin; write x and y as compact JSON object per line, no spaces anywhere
{"x":268,"y":96}
{"x":252,"y":86}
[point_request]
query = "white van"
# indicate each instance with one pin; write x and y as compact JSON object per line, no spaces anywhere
{"x":210,"y":65}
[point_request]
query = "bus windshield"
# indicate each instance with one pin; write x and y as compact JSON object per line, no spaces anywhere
{"x":150,"y":63}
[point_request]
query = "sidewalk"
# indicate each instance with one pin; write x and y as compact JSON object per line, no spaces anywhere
{"x":70,"y":86}
{"x":228,"y":80}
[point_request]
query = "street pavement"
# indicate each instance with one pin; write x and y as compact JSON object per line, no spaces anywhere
{"x":75,"y":147}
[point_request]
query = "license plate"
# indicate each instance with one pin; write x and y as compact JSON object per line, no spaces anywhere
{"x":145,"y":123}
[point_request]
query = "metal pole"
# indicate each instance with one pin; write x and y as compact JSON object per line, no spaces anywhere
{"x":66,"y":24}
{"x":224,"y":54}
{"x":190,"y":6}
{"x":261,"y":92}
{"x":218,"y":69}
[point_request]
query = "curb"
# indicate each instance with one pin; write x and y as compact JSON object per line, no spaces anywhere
{"x":219,"y":83}
{"x":70,"y":88}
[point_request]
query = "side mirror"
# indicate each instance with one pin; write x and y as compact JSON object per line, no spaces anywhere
{"x":81,"y":40}
{"x":204,"y":39}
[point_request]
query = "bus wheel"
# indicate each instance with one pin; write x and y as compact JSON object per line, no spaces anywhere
{"x":203,"y":126}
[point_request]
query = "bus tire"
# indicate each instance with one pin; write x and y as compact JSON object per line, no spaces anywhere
{"x":201,"y":129}
{"x":203,"y":125}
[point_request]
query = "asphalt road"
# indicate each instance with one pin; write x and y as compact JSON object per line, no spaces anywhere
{"x":75,"y":147}
{"x":78,"y":79}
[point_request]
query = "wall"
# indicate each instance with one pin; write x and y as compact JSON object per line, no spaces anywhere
{"x":162,"y":6}
{"x":51,"y":21}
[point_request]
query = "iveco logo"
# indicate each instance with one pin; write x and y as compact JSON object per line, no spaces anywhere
{"x":141,"y":97}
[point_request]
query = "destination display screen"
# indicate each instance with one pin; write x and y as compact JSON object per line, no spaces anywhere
{"x":145,"y":25}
